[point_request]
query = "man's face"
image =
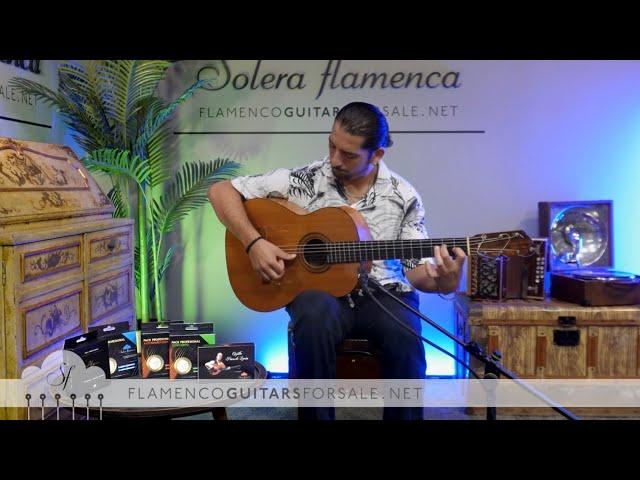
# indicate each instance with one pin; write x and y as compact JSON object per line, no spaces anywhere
{"x":348,"y":159}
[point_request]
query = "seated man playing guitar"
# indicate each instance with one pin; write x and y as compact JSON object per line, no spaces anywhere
{"x":352,"y":175}
{"x":216,"y":366}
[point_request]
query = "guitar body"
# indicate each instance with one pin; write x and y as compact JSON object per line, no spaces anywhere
{"x":285,"y":224}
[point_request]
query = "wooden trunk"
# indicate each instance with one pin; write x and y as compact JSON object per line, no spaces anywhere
{"x":553,"y":339}
{"x":66,"y":263}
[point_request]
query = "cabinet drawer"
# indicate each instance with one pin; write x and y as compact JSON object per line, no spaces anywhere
{"x":108,"y":249}
{"x":110,"y":293}
{"x":48,"y":264}
{"x":48,"y":319}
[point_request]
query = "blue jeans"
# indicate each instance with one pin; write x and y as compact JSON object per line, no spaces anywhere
{"x":320,"y":321}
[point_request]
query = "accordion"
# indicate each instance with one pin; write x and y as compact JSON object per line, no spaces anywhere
{"x":501,"y":277}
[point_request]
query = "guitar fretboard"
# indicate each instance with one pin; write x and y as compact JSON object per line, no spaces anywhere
{"x":352,"y":252}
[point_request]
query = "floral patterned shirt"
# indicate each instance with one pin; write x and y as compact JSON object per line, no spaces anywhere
{"x":392,"y":207}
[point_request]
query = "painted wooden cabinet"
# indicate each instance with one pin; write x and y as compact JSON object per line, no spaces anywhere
{"x":66,"y":264}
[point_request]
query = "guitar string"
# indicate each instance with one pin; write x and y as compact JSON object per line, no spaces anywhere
{"x":380,"y":245}
{"x":439,"y":240}
{"x":410,"y":251}
{"x":391,"y":249}
{"x":374,"y":243}
{"x":349,"y":257}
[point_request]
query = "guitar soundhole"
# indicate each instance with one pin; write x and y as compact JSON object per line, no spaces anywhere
{"x":315,"y":253}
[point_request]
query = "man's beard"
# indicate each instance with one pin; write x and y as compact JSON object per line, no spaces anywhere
{"x":342,"y":175}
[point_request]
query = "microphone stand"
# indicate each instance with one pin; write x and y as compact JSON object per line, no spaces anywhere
{"x":493,"y":369}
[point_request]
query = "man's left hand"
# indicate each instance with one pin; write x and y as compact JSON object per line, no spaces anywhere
{"x":447,"y":271}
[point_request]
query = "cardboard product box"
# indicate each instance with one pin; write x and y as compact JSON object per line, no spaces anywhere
{"x":94,"y":353}
{"x":123,"y":349}
{"x":154,"y":361}
{"x":231,"y":360}
{"x":183,"y":348}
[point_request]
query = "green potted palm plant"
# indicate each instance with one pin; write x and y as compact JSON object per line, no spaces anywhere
{"x":115,"y":115}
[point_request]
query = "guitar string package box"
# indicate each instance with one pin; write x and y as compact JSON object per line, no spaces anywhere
{"x":228,"y":361}
{"x":94,"y":353}
{"x":155,"y":350}
{"x":185,"y":339}
{"x":123,"y":349}
{"x":91,"y":349}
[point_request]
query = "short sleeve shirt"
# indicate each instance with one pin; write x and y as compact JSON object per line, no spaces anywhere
{"x":392,"y":208}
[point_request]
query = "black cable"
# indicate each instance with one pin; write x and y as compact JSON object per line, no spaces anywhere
{"x":553,"y":405}
{"x":410,"y":330}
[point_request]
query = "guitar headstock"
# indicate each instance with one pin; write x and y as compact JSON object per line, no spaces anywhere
{"x":513,"y":243}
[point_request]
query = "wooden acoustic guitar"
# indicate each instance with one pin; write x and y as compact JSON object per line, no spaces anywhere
{"x":331,"y":245}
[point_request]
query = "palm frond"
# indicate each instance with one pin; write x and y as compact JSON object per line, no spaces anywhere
{"x":42,"y":93}
{"x":118,"y":76}
{"x":158,"y":116}
{"x":115,"y":161}
{"x":85,"y":143}
{"x":166,"y":263}
{"x":97,"y":68}
{"x":79,"y":78}
{"x":157,"y":157}
{"x":110,"y":100}
{"x":131,"y":81}
{"x":84,"y":128}
{"x":73,"y":113}
{"x":189,"y":191}
{"x":87,"y":81}
{"x":120,"y":200}
{"x":85,"y":114}
{"x":146,"y":77}
{"x":153,"y":148}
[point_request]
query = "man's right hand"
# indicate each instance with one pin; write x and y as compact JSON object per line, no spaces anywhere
{"x":268,"y":260}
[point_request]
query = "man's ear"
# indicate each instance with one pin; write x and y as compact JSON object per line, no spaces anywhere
{"x":377,"y":155}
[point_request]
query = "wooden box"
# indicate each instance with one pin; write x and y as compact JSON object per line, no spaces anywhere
{"x":66,"y":264}
{"x":553,"y":339}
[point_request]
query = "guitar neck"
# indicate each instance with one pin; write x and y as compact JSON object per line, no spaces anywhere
{"x":352,"y":252}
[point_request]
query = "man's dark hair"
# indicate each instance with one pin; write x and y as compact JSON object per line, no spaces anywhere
{"x":365,"y":120}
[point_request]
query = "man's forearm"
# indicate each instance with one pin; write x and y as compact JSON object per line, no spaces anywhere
{"x":227,"y":203}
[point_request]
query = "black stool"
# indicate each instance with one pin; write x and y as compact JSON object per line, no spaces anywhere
{"x":355,"y":358}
